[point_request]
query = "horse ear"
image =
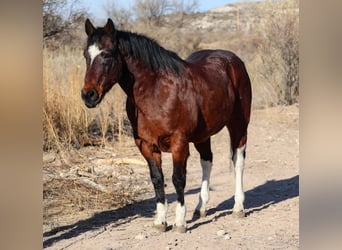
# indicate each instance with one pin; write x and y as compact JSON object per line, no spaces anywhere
{"x":89,"y":27}
{"x":109,"y":27}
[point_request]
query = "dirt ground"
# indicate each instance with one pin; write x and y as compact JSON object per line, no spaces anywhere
{"x":271,"y":184}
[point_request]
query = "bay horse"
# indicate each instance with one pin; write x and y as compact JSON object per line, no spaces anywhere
{"x":170,"y":103}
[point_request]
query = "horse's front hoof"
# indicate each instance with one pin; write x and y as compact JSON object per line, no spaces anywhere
{"x":179,"y":229}
{"x":160,"y":227}
{"x":199,"y":214}
{"x":239,"y":214}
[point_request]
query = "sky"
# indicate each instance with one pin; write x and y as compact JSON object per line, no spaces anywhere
{"x":96,"y":7}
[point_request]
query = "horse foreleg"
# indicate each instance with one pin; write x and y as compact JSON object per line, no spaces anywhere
{"x":180,"y":155}
{"x":161,"y":202}
{"x":153,"y":158}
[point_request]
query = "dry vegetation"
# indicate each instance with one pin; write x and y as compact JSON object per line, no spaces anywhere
{"x":265,"y":35}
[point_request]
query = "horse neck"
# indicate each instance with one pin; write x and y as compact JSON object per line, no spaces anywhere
{"x":127,"y":81}
{"x":133,"y":73}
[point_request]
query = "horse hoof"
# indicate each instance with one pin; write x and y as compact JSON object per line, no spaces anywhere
{"x":179,"y":229}
{"x":160,"y":227}
{"x":240,"y":214}
{"x":199,"y":214}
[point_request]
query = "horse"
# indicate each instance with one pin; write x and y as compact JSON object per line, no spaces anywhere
{"x":170,"y":103}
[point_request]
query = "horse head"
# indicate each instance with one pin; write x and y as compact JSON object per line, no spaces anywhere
{"x":103,"y":62}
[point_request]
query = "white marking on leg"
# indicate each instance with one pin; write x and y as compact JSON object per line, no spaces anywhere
{"x":161,"y":211}
{"x":93,"y":51}
{"x":180,"y":215}
{"x":239,"y":163}
{"x":204,"y":196}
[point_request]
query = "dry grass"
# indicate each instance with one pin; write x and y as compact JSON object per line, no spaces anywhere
{"x":94,"y":180}
{"x":67,"y":123}
{"x":65,"y":198}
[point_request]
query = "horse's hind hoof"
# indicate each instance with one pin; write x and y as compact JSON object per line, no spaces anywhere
{"x":160,"y":227}
{"x":240,"y":214}
{"x":199,"y":214}
{"x":179,"y":229}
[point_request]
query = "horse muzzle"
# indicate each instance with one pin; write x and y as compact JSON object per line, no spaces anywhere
{"x":90,"y":97}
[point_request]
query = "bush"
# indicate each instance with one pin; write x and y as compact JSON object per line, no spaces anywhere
{"x":277,"y":59}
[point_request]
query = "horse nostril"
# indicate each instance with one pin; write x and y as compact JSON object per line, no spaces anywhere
{"x":92,"y":95}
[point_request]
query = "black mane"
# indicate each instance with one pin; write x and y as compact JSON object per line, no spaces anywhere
{"x":150,"y":52}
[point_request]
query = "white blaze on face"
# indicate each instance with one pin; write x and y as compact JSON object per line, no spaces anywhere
{"x":93,"y":51}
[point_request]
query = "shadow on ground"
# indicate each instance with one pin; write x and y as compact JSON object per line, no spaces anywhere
{"x":257,"y":199}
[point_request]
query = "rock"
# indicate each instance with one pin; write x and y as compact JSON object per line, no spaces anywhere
{"x":227,"y":237}
{"x":221,"y":233}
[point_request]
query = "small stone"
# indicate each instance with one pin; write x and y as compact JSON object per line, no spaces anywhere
{"x":227,"y":237}
{"x":221,"y":233}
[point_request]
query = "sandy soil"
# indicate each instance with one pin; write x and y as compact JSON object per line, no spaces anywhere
{"x":271,"y":183}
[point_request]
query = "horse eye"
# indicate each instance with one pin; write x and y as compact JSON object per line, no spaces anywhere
{"x":107,"y":55}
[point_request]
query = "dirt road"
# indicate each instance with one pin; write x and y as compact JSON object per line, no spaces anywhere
{"x":271,"y":181}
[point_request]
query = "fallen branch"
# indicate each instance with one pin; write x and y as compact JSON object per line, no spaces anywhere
{"x":94,"y":185}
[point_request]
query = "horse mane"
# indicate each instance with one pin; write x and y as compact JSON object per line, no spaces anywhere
{"x":154,"y":56}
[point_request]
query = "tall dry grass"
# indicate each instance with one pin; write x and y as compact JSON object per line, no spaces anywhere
{"x":67,"y":123}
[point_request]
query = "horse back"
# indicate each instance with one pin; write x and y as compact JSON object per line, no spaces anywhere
{"x":220,"y":62}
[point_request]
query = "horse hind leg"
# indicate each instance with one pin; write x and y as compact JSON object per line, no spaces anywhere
{"x":238,"y":138}
{"x":239,"y":197}
{"x":206,"y":162}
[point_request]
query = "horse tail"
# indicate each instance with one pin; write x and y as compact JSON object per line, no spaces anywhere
{"x":243,"y":98}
